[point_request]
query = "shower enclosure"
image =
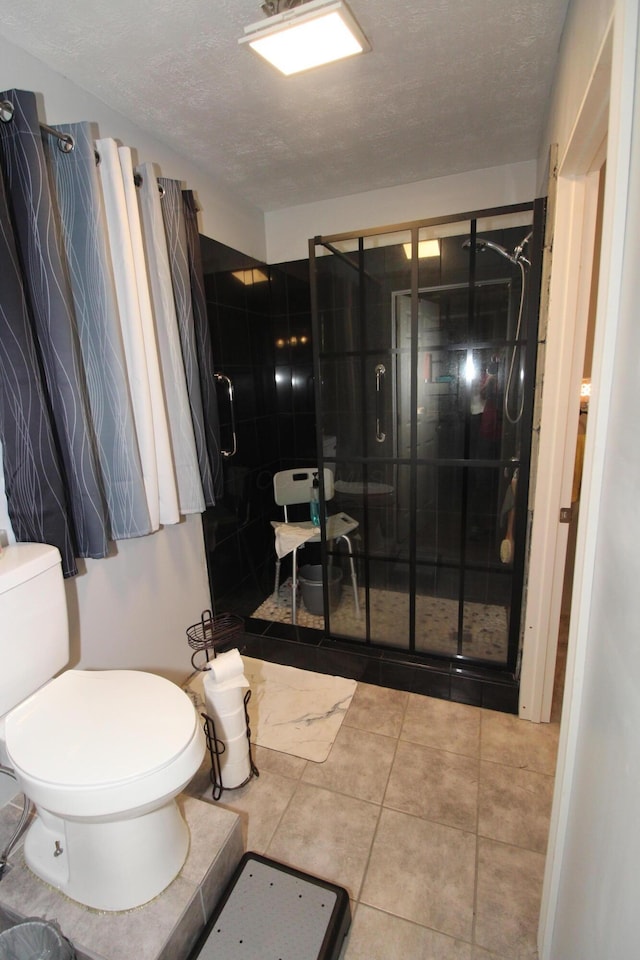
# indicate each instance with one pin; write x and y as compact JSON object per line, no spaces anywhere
{"x":424,"y":350}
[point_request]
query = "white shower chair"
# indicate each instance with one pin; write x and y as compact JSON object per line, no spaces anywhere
{"x":294,"y":486}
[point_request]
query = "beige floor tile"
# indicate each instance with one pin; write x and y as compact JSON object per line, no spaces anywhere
{"x":260,"y":805}
{"x":508,"y":899}
{"x":422,"y":871}
{"x":505,"y":738}
{"x":210,"y":828}
{"x":515,"y":805}
{"x":358,"y":765}
{"x":377,"y":709}
{"x":379,"y":936}
{"x":283,"y":764}
{"x":477,"y":953}
{"x":443,"y":725}
{"x":435,"y":785}
{"x":326,"y":835}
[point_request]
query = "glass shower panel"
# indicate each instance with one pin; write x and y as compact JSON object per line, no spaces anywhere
{"x":338,"y":300}
{"x":389,"y":603}
{"x":425,"y":408}
{"x":436,"y":630}
{"x":438,"y":520}
{"x":341,"y":378}
{"x":485,"y":619}
{"x":386,"y":267}
{"x":368,"y":495}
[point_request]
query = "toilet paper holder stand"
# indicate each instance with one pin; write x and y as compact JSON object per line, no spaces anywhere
{"x":212,"y":632}
{"x":216,"y":748}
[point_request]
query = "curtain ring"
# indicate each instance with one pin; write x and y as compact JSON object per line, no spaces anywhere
{"x":138,"y":179}
{"x":6,"y":111}
{"x":97,"y":157}
{"x":66,"y":143}
{"x":162,"y":190}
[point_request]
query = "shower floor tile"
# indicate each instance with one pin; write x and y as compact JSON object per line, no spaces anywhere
{"x":485,"y":632}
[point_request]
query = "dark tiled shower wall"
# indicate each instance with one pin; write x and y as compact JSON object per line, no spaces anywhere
{"x":261,"y":336}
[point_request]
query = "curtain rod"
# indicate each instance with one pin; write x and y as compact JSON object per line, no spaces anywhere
{"x":66,"y":141}
{"x":66,"y":144}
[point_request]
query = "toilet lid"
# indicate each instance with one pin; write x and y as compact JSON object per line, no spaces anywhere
{"x":90,"y":728}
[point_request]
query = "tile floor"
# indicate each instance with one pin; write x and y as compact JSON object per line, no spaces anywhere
{"x":433,"y":814}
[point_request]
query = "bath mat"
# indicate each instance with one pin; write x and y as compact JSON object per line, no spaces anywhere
{"x":292,"y":711}
{"x":296,"y":711}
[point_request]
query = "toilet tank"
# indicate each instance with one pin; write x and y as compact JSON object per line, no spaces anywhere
{"x":34,"y":634}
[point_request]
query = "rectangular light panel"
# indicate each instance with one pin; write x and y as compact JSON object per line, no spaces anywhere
{"x":307,"y":36}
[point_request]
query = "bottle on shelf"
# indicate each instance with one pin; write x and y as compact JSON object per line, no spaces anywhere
{"x":314,"y":501}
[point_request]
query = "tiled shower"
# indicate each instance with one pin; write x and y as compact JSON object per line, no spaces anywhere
{"x":261,"y":328}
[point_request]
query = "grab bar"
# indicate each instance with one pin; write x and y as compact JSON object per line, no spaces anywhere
{"x":234,"y":447}
{"x":380,"y":372}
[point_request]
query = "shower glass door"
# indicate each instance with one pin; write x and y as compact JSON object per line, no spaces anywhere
{"x":425,"y":345}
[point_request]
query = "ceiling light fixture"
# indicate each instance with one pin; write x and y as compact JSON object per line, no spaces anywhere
{"x":305,"y":35}
{"x":426,"y":248}
{"x":249,"y":277}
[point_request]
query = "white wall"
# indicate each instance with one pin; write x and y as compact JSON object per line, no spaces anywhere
{"x":592,"y":882}
{"x":223,"y":216}
{"x":132,"y":609}
{"x":584,"y":32}
{"x":289,"y":230}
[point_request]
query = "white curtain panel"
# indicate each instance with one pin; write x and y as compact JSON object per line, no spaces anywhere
{"x":129,"y":305}
{"x":5,"y":521}
{"x":185,"y":457}
{"x":169,"y":511}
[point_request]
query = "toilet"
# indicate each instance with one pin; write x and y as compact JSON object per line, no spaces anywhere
{"x":102,"y":754}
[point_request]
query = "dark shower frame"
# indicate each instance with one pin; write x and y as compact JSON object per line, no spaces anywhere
{"x":538,"y":210}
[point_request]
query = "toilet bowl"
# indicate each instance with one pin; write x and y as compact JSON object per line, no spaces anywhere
{"x":103,"y":754}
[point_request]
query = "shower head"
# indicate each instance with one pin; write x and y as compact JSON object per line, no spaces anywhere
{"x":482,"y":244}
{"x":518,"y":250}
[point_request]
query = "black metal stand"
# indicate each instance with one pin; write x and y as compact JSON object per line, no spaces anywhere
{"x":212,"y":633}
{"x":217,"y":747}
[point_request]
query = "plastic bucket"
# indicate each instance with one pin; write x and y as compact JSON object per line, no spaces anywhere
{"x":34,"y":940}
{"x":310,"y":580}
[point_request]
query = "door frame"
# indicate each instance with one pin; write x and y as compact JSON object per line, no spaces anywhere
{"x":574,"y":228}
{"x":619,"y":86}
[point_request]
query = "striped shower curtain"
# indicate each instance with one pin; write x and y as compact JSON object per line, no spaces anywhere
{"x":94,"y":441}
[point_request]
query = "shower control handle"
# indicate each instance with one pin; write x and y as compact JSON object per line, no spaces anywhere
{"x":379,"y":372}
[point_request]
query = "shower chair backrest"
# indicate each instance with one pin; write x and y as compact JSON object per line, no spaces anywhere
{"x":294,"y":486}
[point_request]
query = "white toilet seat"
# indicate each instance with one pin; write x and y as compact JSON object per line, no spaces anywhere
{"x":99,"y":743}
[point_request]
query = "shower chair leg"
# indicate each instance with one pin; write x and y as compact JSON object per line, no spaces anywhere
{"x":276,"y":585}
{"x":354,"y":580}
{"x":294,"y":587}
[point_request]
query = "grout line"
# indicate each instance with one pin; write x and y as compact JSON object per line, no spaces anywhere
{"x":381,"y":805}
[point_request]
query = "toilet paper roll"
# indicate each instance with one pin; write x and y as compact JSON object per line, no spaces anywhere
{"x":227,"y":700}
{"x":236,"y":773}
{"x":231,"y":725}
{"x":235,"y":762}
{"x":225,"y":667}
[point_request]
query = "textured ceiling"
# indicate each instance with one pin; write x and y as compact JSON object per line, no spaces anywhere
{"x":450,"y":86}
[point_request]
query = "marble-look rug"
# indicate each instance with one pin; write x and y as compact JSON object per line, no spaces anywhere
{"x":290,"y":710}
{"x":485,"y":632}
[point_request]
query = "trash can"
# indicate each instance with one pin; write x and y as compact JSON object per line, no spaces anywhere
{"x":310,"y":580}
{"x":35,"y":940}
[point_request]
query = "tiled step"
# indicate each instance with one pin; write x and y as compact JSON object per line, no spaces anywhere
{"x":164,"y":929}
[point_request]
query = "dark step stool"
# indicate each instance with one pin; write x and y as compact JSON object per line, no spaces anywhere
{"x":272,"y":912}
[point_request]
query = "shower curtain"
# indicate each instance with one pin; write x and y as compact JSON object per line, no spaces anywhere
{"x":88,"y":440}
